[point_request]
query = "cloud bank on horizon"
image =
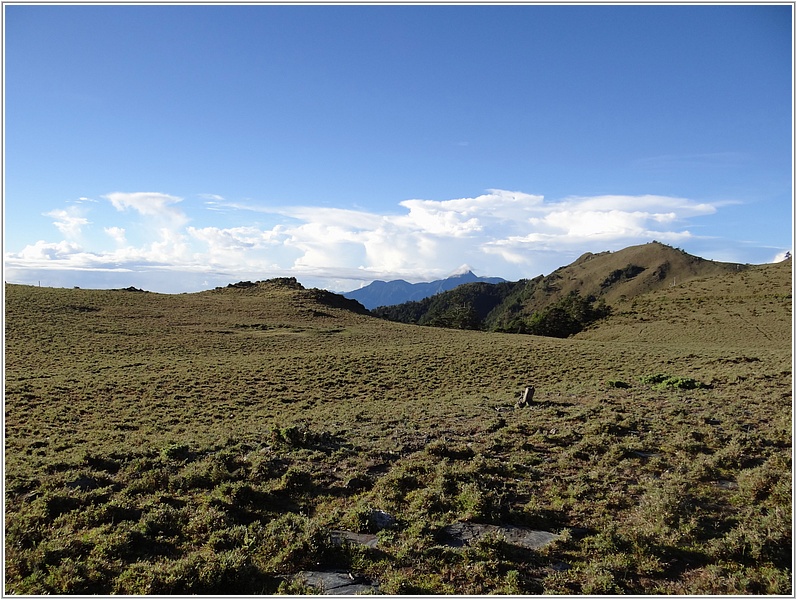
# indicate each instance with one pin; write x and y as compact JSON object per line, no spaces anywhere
{"x":158,"y":241}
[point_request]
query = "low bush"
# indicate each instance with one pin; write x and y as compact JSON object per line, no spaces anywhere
{"x":666,"y":381}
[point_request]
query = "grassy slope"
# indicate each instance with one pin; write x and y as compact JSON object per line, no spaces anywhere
{"x":207,"y":443}
{"x":746,"y":309}
{"x":663,"y":266}
{"x":614,"y":277}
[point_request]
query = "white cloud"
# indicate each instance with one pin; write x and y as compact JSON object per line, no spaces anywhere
{"x":643,"y":203}
{"x":44,"y":251}
{"x":437,"y":218}
{"x":70,"y":222}
{"x":237,"y":248}
{"x":506,"y":233}
{"x":579,"y":224}
{"x":117,"y":233}
{"x":150,"y":204}
{"x":340,"y":217}
{"x":223,"y":240}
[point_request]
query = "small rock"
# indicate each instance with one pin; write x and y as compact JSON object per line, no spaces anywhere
{"x":646,"y":454}
{"x":338,"y":582}
{"x":83,"y":483}
{"x":527,"y":538}
{"x":382,"y":520}
{"x":341,"y":537}
{"x":461,"y":534}
{"x":727,"y":485}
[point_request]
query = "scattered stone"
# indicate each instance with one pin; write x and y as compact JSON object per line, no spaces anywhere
{"x":525,"y":397}
{"x":618,"y":384}
{"x":560,"y":566}
{"x":726,"y":484}
{"x":338,"y":582}
{"x":381,"y":520}
{"x":646,"y":454}
{"x":462,"y":534}
{"x":341,"y":537}
{"x":84,"y":484}
{"x":242,"y":285}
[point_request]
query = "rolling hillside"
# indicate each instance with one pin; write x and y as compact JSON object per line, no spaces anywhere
{"x":607,"y":278}
{"x":234,"y":440}
{"x":751,"y":307}
{"x":626,"y":273}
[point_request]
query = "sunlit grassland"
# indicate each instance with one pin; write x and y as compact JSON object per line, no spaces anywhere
{"x":210,"y":443}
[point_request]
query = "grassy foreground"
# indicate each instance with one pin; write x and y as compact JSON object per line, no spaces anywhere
{"x":210,"y":443}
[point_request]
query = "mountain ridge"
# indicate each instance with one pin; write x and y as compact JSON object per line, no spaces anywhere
{"x":388,"y":293}
{"x":588,"y":287}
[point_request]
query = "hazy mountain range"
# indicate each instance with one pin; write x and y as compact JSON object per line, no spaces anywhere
{"x":387,"y":293}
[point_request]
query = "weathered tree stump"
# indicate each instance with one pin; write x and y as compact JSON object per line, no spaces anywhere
{"x":525,"y":397}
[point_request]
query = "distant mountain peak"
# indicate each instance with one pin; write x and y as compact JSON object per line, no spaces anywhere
{"x":387,"y":293}
{"x":462,"y":270}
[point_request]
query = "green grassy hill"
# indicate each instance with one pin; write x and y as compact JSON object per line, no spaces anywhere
{"x":608,"y":277}
{"x":213,"y":443}
{"x":629,"y":273}
{"x":748,"y":308}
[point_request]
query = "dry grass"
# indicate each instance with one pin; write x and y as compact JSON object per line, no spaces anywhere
{"x":657,"y":267}
{"x":209,"y":443}
{"x":748,"y":309}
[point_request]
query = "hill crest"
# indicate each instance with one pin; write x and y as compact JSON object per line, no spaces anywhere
{"x":605,"y":277}
{"x":629,"y":272}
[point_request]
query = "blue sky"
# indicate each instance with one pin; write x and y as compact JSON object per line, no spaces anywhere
{"x":176,"y":148}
